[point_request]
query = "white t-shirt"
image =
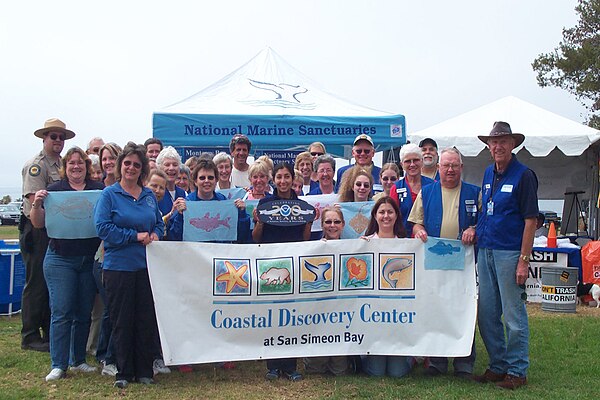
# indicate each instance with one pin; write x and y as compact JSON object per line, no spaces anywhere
{"x":239,"y":178}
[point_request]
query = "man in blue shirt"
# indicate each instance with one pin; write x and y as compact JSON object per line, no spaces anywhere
{"x":363,"y":151}
{"x":505,"y":232}
{"x":448,"y":209}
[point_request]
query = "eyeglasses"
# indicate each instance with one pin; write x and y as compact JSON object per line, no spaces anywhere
{"x":316,"y":153}
{"x":56,"y":136}
{"x":360,"y":151}
{"x":325,"y":171}
{"x":448,"y":166}
{"x":362,"y":184}
{"x":203,"y":178}
{"x":135,"y":164}
{"x":412,"y":161}
{"x":389,"y":178}
{"x":332,"y":221}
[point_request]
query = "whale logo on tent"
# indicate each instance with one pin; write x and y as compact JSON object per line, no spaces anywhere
{"x":286,"y":95}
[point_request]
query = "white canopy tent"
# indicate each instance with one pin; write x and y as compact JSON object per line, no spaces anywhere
{"x":562,"y":152}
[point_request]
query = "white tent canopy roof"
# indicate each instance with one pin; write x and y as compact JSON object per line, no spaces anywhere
{"x":543,"y":129}
{"x":248,"y":90}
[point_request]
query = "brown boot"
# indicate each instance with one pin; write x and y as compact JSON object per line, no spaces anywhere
{"x":489,"y":376}
{"x":512,"y":382}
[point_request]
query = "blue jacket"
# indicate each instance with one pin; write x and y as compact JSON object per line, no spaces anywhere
{"x":119,"y":217}
{"x":505,"y":205}
{"x":243,"y":225}
{"x":433,"y":210}
{"x":165,"y":206}
{"x":401,"y":193}
{"x":375,"y":172}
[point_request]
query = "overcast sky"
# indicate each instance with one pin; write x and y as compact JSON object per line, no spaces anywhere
{"x":105,"y":67}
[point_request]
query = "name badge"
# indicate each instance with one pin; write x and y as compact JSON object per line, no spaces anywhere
{"x":401,"y":193}
{"x":490,"y":208}
{"x":507,"y":188}
{"x":471,"y":208}
{"x":377,"y":187}
{"x":469,"y":201}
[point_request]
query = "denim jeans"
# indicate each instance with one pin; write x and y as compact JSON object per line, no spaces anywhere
{"x":500,"y":296}
{"x":105,"y":350}
{"x":71,"y":289}
{"x":395,"y":366}
{"x":461,"y":364}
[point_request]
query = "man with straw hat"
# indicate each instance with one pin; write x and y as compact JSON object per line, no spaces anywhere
{"x":505,"y":233}
{"x":38,"y":173}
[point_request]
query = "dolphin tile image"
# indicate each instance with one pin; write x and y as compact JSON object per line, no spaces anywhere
{"x":396,"y":271}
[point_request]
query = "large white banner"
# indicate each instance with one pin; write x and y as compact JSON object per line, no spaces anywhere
{"x":222,"y":302}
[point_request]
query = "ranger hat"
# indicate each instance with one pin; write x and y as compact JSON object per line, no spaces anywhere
{"x":54,"y":125}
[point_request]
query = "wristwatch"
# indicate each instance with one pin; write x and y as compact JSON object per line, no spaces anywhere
{"x":524,"y":258}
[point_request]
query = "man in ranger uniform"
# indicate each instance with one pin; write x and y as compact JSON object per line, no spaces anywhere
{"x":38,"y":173}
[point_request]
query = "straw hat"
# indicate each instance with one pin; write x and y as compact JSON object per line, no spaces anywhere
{"x":54,"y":125}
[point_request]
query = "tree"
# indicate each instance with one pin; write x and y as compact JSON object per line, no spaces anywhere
{"x":575,"y":64}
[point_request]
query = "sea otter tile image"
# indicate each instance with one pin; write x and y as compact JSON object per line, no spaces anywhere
{"x":356,"y":271}
{"x":397,"y":271}
{"x":231,"y":277}
{"x":275,"y":275}
{"x":316,"y":274}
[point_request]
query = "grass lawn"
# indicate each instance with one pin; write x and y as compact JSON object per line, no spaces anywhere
{"x":9,"y":232}
{"x":563,"y":352}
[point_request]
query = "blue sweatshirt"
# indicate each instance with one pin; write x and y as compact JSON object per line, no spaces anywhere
{"x":119,"y":217}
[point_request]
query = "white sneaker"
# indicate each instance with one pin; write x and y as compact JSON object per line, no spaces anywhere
{"x":159,"y":367}
{"x":55,"y":374}
{"x":83,"y":367}
{"x":109,"y":369}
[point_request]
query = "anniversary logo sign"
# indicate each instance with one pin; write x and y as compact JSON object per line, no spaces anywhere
{"x":224,"y":302}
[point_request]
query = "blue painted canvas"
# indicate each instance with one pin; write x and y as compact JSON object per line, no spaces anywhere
{"x":210,"y":221}
{"x":233,"y":193}
{"x":446,"y":254}
{"x":250,"y":206}
{"x":70,"y":215}
{"x":356,"y":215}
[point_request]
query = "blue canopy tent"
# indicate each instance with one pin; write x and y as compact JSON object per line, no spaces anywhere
{"x":277,"y":108}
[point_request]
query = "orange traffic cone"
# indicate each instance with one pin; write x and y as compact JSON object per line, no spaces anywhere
{"x":551,"y":236}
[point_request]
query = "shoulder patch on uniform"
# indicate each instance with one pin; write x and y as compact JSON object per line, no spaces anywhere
{"x":34,"y":170}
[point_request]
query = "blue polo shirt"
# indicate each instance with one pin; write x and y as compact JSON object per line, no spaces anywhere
{"x":119,"y":217}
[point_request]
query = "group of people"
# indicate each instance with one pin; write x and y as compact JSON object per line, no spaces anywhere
{"x":145,"y":190}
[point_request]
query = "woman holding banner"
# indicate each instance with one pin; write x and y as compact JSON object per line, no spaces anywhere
{"x":332,"y":223}
{"x":386,"y":223}
{"x":265,"y":233}
{"x":68,"y":271}
{"x":127,"y":218}
{"x":205,"y":177}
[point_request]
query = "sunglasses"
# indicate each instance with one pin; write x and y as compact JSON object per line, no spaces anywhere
{"x":362,"y":184}
{"x":135,"y":164}
{"x":389,"y":178}
{"x":56,"y":136}
{"x":203,"y":178}
{"x":332,"y":221}
{"x":360,"y":151}
{"x":316,"y":154}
